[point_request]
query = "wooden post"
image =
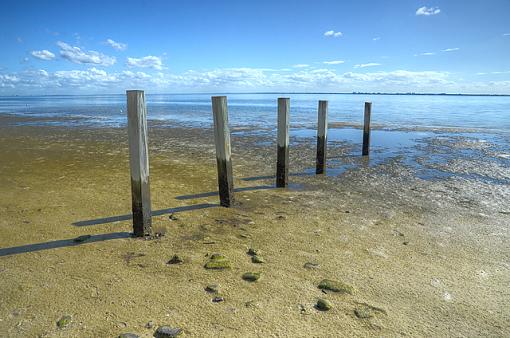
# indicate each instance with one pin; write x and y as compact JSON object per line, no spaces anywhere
{"x":139,"y":163}
{"x":366,"y":129}
{"x":223,"y":152}
{"x":282,"y":162}
{"x":322,"y":137}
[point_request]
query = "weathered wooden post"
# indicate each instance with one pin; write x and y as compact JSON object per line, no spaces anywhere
{"x":223,"y":152}
{"x":139,"y":163}
{"x":366,"y":129}
{"x":282,"y":162}
{"x":322,"y":137}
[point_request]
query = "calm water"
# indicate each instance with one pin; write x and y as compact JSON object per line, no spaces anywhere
{"x":259,"y":110}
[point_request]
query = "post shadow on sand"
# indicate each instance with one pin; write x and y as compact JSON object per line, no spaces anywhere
{"x":128,"y":217}
{"x":215,"y":193}
{"x":61,"y":243}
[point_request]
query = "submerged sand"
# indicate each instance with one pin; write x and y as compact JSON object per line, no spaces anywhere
{"x":426,"y":257}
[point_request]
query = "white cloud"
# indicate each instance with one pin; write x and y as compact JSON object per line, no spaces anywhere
{"x":77,"y":55}
{"x":334,"y":62}
{"x":301,"y":65}
{"x":333,"y":34}
{"x":146,"y":62}
{"x":427,"y":11}
{"x":425,"y":54}
{"x":506,"y":34}
{"x":95,"y":80}
{"x":450,"y":49}
{"x":116,"y":45}
{"x":43,"y":54}
{"x":376,"y":38}
{"x":364,"y":65}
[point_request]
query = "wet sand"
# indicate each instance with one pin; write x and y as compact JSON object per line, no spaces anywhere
{"x":426,"y":257}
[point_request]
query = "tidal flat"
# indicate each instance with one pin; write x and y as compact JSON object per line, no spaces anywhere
{"x":419,"y":235}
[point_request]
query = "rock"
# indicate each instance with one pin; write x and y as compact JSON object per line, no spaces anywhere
{"x":251,"y":304}
{"x":167,"y":332}
{"x":217,"y":262}
{"x":251,"y":276}
{"x":363,"y":312}
{"x":81,"y":239}
{"x":149,"y":325}
{"x":212,"y":288}
{"x":172,"y":217}
{"x":129,"y":335}
{"x":253,"y":252}
{"x":218,"y":299}
{"x":175,"y":260}
{"x":323,"y":304}
{"x":257,"y":259}
{"x":311,"y":266}
{"x":335,"y":286}
{"x":64,"y":321}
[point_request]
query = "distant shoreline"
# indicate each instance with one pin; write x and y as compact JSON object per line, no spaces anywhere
{"x":266,"y":93}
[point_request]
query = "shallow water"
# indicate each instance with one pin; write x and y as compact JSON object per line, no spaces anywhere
{"x":259,"y":110}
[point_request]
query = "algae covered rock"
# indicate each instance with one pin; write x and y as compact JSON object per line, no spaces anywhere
{"x":217,"y":262}
{"x":323,"y":304}
{"x":64,"y":321}
{"x":251,"y":276}
{"x":167,"y":332}
{"x":336,"y":286}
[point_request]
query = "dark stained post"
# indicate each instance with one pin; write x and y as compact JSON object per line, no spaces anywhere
{"x":282,"y":162}
{"x":322,"y":137}
{"x":139,"y":163}
{"x":223,"y":152}
{"x":366,"y":129}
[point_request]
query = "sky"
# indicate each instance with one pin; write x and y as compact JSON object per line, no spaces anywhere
{"x":105,"y":47}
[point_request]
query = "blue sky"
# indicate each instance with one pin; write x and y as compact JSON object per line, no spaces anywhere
{"x":73,"y":47}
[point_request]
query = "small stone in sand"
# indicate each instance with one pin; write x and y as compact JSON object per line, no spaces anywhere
{"x":311,"y":266}
{"x":81,"y":239}
{"x":363,"y":312}
{"x":251,"y":276}
{"x":335,"y":286}
{"x":217,"y":262}
{"x":257,"y":259}
{"x":253,"y":252}
{"x":149,"y":325}
{"x":64,"y":321}
{"x":167,"y":332}
{"x":218,"y":299}
{"x":129,"y":335}
{"x":212,"y":288}
{"x":175,"y":260}
{"x":323,"y":304}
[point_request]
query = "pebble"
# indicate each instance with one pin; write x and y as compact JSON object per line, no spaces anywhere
{"x":218,"y":299}
{"x":257,"y":259}
{"x":311,"y":265}
{"x":149,"y":325}
{"x":363,"y":312}
{"x":212,"y":288}
{"x":253,"y":252}
{"x":129,"y":335}
{"x":335,"y":286}
{"x":167,"y":332}
{"x":175,"y":260}
{"x":251,"y":276}
{"x":64,"y":321}
{"x":323,"y":304}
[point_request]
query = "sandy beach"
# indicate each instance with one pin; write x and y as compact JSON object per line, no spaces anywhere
{"x":425,"y":257}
